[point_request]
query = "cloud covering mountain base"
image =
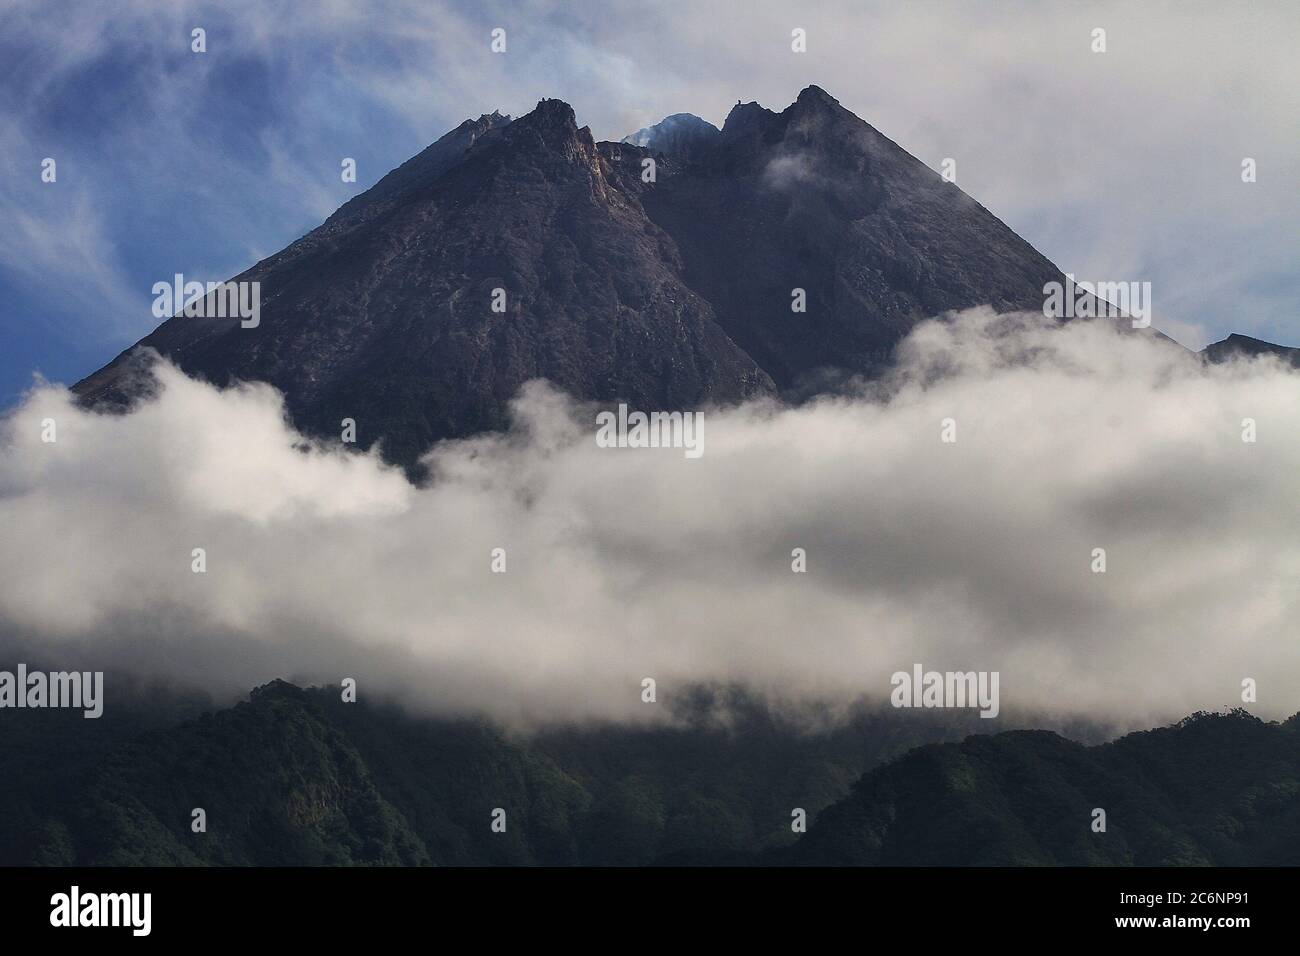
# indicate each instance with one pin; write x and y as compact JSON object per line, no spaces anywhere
{"x":623,"y":563}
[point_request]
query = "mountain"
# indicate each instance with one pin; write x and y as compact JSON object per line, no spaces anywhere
{"x":297,"y":777}
{"x":1215,"y":789}
{"x":682,"y":136}
{"x":384,"y":313}
{"x":815,"y":198}
{"x":668,"y":292}
{"x":1243,"y":345}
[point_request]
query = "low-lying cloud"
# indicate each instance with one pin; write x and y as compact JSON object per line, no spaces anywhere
{"x":624,"y":563}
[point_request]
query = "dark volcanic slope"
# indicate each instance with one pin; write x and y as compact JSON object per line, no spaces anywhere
{"x":384,"y":313}
{"x":1244,"y":345}
{"x":814,"y":198}
{"x":682,"y":136}
{"x":668,"y":294}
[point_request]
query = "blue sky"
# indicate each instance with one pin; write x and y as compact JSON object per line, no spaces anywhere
{"x":1118,"y":166}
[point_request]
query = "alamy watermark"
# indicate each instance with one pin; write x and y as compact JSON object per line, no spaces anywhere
{"x":82,"y":690}
{"x":75,"y":908}
{"x":1083,"y":300}
{"x":922,"y":688}
{"x":213,"y":300}
{"x":651,"y":430}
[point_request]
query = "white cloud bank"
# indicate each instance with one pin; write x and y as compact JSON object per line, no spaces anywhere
{"x":632,"y":563}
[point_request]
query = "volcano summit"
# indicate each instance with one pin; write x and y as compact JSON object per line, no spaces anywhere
{"x":518,"y":249}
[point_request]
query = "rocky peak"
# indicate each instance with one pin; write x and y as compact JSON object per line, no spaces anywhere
{"x":1244,"y":345}
{"x":683,"y":136}
{"x":667,"y":294}
{"x":745,"y":118}
{"x":553,"y":120}
{"x":553,"y":127}
{"x":815,"y":96}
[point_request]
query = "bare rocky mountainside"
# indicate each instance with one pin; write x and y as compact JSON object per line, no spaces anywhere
{"x":1245,"y":346}
{"x":668,"y":291}
{"x":668,"y":294}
